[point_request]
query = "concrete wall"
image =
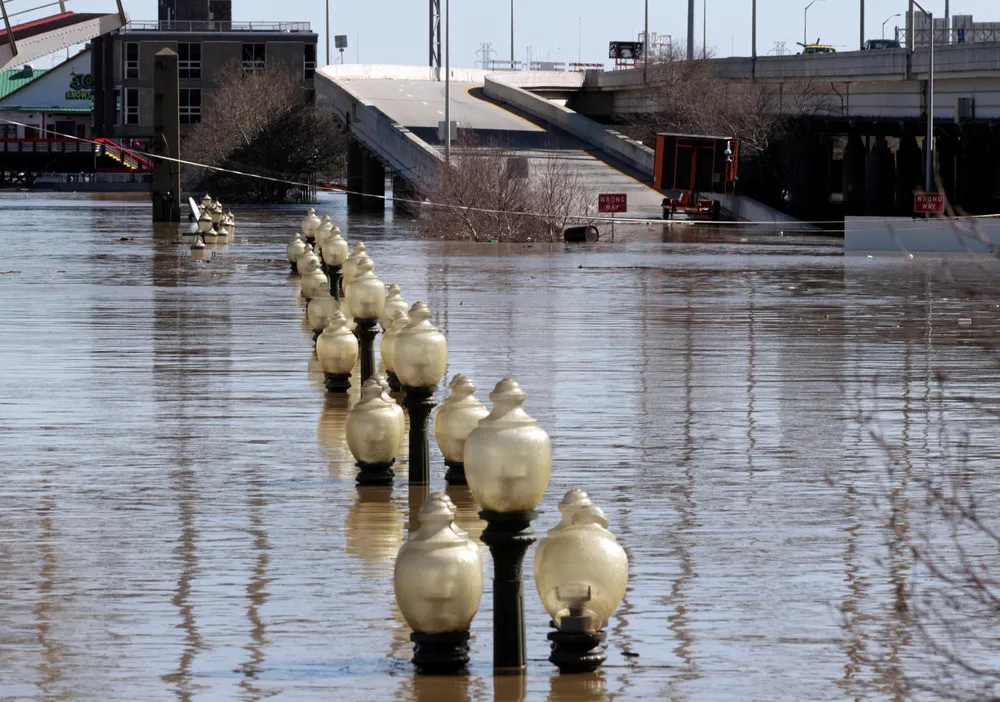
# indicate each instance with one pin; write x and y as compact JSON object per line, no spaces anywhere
{"x":500,"y":87}
{"x":745,"y":209}
{"x":356,"y":71}
{"x":397,"y":147}
{"x":902,"y":235}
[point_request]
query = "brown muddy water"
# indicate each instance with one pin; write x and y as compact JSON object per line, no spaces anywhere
{"x":178,"y":517}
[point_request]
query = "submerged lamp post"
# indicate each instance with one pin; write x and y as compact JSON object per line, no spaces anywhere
{"x":459,"y":414}
{"x":508,"y":462}
{"x":365,"y":297}
{"x":420,"y":357}
{"x":313,"y":280}
{"x":319,"y":310}
{"x":206,"y":201}
{"x":337,"y":351}
{"x":394,"y":305}
{"x":310,"y":223}
{"x":399,"y":321}
{"x":374,"y":432}
{"x":438,"y":581}
{"x":581,"y":573}
{"x":334,"y":254}
{"x":350,"y":265}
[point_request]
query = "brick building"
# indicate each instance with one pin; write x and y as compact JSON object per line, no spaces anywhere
{"x":207,"y":40}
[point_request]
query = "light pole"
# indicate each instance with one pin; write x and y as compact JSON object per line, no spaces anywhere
{"x":704,"y":29}
{"x":753,"y":40}
{"x":447,"y":80}
{"x":898,"y":14}
{"x":929,"y":139}
{"x":690,"y":46}
{"x":512,"y":35}
{"x":805,"y":23}
{"x":645,"y":48}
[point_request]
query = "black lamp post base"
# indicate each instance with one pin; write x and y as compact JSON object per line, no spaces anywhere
{"x":394,"y":383}
{"x":295,"y":270}
{"x":367,"y":330}
{"x":581,"y":652}
{"x":440,"y":654}
{"x":375,"y":473}
{"x":419,"y":401}
{"x":316,"y":335}
{"x":333,"y":273}
{"x":508,"y":534}
{"x":455,"y":475}
{"x":337,"y":382}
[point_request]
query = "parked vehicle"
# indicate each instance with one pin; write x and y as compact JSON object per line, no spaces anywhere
{"x":879,"y":44}
{"x":817,"y":48}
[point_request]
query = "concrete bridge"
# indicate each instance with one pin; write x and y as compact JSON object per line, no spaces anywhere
{"x":863,"y":148}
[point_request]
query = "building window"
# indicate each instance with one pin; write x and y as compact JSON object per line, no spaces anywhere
{"x":8,"y":131}
{"x":131,"y":107}
{"x":189,"y":60}
{"x":309,"y":62}
{"x":253,"y":57}
{"x":130,"y":61}
{"x":30,"y":131}
{"x":190,"y":105}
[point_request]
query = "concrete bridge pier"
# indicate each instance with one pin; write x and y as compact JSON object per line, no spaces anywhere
{"x":855,"y":156}
{"x":810,"y":184}
{"x":355,"y":175}
{"x":947,"y":150}
{"x":404,"y":196}
{"x":373,"y":185}
{"x":908,"y":173}
{"x":977,"y":169}
{"x":880,"y":179}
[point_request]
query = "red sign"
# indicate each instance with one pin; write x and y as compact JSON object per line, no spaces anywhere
{"x":612,"y":202}
{"x":928,"y":203}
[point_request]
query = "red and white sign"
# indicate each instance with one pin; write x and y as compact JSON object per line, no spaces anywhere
{"x":608,"y":202}
{"x":928,"y":203}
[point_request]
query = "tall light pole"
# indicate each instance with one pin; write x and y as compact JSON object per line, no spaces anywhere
{"x":929,"y":139}
{"x":512,"y":35}
{"x":447,"y":81}
{"x":704,"y":29}
{"x":898,"y":14}
{"x":861,"y":44}
{"x":805,"y":22}
{"x":645,"y":48}
{"x":753,"y":41}
{"x":690,"y":47}
{"x":327,"y":32}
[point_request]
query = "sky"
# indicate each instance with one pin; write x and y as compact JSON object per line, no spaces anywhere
{"x":396,"y":31}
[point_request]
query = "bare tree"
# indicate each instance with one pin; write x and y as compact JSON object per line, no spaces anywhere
{"x":495,"y":192}
{"x":266,"y":124}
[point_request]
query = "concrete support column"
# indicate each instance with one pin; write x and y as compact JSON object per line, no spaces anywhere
{"x":974,"y":171}
{"x":355,"y":175}
{"x":166,"y":186}
{"x":880,"y":179}
{"x":855,"y":155}
{"x":373,"y":175}
{"x":909,"y":166}
{"x":404,"y":195}
{"x":947,"y":150}
{"x":810,"y":182}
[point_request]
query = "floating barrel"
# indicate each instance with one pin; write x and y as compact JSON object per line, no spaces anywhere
{"x":579,"y":234}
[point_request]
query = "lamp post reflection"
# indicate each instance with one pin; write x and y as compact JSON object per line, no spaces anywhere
{"x":577,"y":688}
{"x":257,"y":595}
{"x":374,"y":527}
{"x":331,"y":435}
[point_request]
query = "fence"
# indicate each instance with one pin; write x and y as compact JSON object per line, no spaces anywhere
{"x":212,"y":26}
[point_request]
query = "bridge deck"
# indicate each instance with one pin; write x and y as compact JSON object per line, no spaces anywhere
{"x":418,"y":105}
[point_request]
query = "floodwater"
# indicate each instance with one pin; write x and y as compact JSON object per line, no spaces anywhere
{"x":178,"y":517}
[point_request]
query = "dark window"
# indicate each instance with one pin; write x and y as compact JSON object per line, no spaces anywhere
{"x":30,"y":132}
{"x":189,"y":60}
{"x":130,"y":61}
{"x":131,"y":107}
{"x":9,"y":131}
{"x":65,"y":128}
{"x":309,"y":62}
{"x":253,"y":57}
{"x":190,"y":105}
{"x":81,"y":131}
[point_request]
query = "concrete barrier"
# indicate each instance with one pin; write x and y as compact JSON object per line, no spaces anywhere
{"x":745,"y":209}
{"x":409,"y":156}
{"x":903,"y":235}
{"x":629,"y":151}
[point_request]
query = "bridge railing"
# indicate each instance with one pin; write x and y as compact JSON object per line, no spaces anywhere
{"x":952,"y":36}
{"x":213,"y":26}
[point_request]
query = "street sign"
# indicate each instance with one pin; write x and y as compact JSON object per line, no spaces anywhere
{"x":928,"y":203}
{"x":612,"y":202}
{"x":625,"y":50}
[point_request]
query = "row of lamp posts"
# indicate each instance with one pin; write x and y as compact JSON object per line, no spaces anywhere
{"x":214,"y":225}
{"x":504,"y":456}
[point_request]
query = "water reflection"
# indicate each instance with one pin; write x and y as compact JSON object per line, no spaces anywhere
{"x":584,"y":687}
{"x":331,"y":434}
{"x":374,"y":526}
{"x":47,"y":611}
{"x":257,"y":597}
{"x":437,"y":688}
{"x":467,"y":512}
{"x":510,"y":688}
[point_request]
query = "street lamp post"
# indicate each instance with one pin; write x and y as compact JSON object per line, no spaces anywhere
{"x":420,"y":355}
{"x":337,"y":351}
{"x":447,"y":81}
{"x":929,"y":138}
{"x":805,"y":22}
{"x":508,"y":463}
{"x":458,"y":416}
{"x":581,"y":573}
{"x":374,"y":431}
{"x":365,"y":298}
{"x":645,"y":48}
{"x":898,"y":14}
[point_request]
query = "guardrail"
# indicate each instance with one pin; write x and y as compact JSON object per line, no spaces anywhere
{"x":213,"y":26}
{"x":48,"y":146}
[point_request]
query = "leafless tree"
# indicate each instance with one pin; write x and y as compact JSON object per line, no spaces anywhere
{"x":495,"y":192}
{"x":266,"y":124}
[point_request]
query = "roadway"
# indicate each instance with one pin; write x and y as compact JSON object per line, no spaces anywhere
{"x":418,"y":105}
